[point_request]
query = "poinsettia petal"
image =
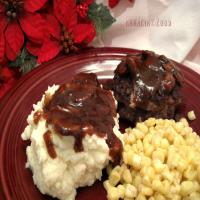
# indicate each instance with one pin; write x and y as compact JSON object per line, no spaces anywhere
{"x":84,"y":33}
{"x":88,"y":2}
{"x":2,"y":47}
{"x":34,"y":5}
{"x":14,"y":37}
{"x":49,"y":50}
{"x":34,"y":26}
{"x":6,"y":73}
{"x":33,"y":48}
{"x":53,"y":26}
{"x":113,"y":3}
{"x":2,"y":8}
{"x":3,"y":23}
{"x":11,"y":55}
{"x":65,"y":12}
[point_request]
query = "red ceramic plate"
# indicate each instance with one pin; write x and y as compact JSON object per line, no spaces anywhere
{"x":16,"y":181}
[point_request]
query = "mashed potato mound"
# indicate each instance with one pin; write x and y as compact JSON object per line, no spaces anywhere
{"x":61,"y":176}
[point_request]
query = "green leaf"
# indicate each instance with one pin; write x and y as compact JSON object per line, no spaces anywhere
{"x":101,"y":16}
{"x":25,"y":61}
{"x":28,"y":65}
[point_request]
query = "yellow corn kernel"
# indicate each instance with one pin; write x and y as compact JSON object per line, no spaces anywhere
{"x":146,"y":181}
{"x":158,"y":177}
{"x":133,"y":173}
{"x":121,"y":191}
{"x":150,"y":172}
{"x":136,"y":161}
{"x":146,"y":144}
{"x":186,"y":130}
{"x":122,"y":168}
{"x":127,"y":176}
{"x":134,"y":148}
{"x":146,"y":161}
{"x":147,"y":170}
{"x":150,"y":122}
{"x":196,"y":186}
{"x":151,"y":198}
{"x":191,"y":115}
{"x":131,"y":138}
{"x":166,"y":187}
{"x":129,"y":157}
{"x":127,"y":147}
{"x":182,"y":165}
{"x":125,"y":157}
{"x":159,"y":197}
{"x":142,"y":127}
{"x":141,"y":197}
{"x":138,"y":133}
{"x":168,"y":175}
{"x":186,"y":188}
{"x":164,"y":143}
{"x":114,"y":178}
{"x":139,"y":146}
{"x":159,"y":154}
{"x":173,"y":159}
{"x":190,"y":140}
{"x":157,"y":185}
{"x":125,"y":137}
{"x":158,"y":166}
{"x":146,"y":191}
{"x":175,"y":189}
{"x":178,"y":140}
{"x":156,"y":141}
{"x":198,"y":173}
{"x":186,"y":198}
{"x":179,"y":126}
{"x":190,"y":173}
{"x":148,"y":152}
{"x":118,"y":168}
{"x":177,"y":176}
{"x":130,"y":191}
{"x":112,"y":193}
{"x":106,"y":185}
{"x":128,"y":130}
{"x":149,"y":136}
{"x":195,"y":196}
{"x":176,"y":197}
{"x":137,"y":180}
{"x":160,"y":121}
{"x":184,"y":121}
{"x":169,"y":134}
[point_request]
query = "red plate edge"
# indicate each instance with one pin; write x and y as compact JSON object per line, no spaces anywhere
{"x":116,"y":52}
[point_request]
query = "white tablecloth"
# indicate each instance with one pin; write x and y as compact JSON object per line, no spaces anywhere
{"x":169,"y":27}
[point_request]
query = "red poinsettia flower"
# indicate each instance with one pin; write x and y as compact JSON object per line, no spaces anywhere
{"x":7,"y":80}
{"x":83,"y":8}
{"x":65,"y":33}
{"x":16,"y":18}
{"x":113,"y":3}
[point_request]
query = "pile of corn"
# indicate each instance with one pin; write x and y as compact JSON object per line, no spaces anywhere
{"x":161,"y":161}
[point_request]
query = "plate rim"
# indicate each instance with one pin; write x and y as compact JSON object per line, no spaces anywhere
{"x":92,"y":52}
